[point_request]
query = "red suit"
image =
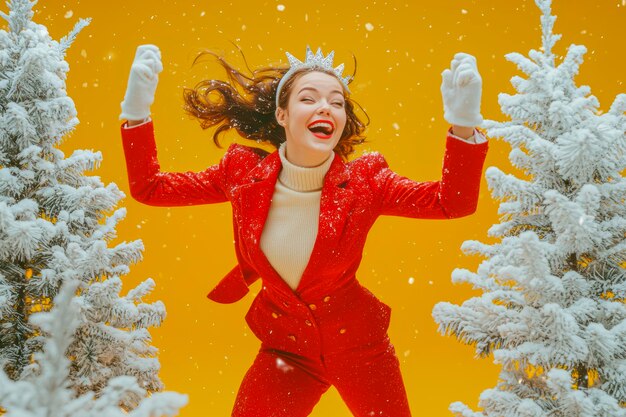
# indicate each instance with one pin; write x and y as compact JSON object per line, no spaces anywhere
{"x":330,"y":330}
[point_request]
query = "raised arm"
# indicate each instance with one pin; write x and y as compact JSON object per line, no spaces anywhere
{"x":147,"y":183}
{"x":456,"y":194}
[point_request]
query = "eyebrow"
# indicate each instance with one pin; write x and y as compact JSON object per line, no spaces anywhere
{"x":316,"y":90}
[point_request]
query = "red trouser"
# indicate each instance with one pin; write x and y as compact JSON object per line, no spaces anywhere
{"x":283,"y":384}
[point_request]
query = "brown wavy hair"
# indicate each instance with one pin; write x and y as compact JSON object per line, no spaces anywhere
{"x":248,"y":104}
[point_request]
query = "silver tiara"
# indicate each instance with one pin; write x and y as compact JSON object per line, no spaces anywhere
{"x":314,"y":61}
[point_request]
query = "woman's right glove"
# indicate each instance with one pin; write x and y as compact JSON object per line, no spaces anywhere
{"x":142,"y":83}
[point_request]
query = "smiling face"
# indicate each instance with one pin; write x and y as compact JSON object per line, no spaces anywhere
{"x":314,"y":119}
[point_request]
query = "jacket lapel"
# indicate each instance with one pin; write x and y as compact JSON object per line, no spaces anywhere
{"x":255,"y":196}
{"x":335,"y":204}
{"x":255,"y":199}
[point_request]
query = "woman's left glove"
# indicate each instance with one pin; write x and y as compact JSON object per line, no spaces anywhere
{"x":461,"y":89}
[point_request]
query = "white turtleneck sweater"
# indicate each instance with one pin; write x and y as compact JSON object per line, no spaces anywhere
{"x":292,"y":222}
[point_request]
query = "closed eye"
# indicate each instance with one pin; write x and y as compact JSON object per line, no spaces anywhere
{"x":336,"y":103}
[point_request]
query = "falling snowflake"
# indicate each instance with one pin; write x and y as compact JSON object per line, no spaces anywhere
{"x":283,"y":366}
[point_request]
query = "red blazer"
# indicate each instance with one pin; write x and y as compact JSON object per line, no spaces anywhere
{"x":329,"y":311}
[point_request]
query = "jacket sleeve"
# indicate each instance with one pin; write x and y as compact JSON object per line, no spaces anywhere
{"x":149,"y":185}
{"x":455,"y":195}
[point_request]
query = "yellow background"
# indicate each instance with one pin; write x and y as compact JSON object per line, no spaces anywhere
{"x":205,"y":348}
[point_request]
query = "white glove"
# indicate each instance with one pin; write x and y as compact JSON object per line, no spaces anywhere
{"x":461,"y":89}
{"x":142,"y":83}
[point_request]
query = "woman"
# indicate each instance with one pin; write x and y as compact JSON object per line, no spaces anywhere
{"x":301,"y":216}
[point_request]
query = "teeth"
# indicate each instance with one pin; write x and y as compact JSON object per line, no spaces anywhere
{"x":327,"y":126}
{"x":322,"y":124}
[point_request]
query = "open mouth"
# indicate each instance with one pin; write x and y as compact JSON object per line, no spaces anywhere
{"x":322,"y":129}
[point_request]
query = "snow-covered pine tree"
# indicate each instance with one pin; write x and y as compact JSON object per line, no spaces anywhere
{"x":552,"y":310}
{"x":55,"y":223}
{"x":48,"y":392}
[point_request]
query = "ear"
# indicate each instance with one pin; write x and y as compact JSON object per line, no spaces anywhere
{"x":281,"y":116}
